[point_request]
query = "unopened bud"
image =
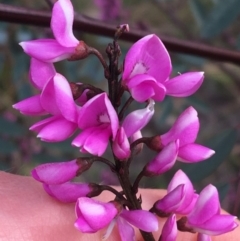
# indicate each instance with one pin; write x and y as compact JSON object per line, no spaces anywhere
{"x":84,"y":164}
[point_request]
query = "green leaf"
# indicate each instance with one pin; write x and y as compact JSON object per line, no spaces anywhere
{"x":10,"y":128}
{"x":7,"y":147}
{"x":221,"y":16}
{"x":222,"y":144}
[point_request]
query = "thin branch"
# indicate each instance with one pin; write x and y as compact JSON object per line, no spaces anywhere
{"x":82,"y":23}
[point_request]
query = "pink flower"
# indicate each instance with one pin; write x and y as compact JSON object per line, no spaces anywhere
{"x":179,"y":142}
{"x":206,"y":218}
{"x":169,"y":231}
{"x":180,"y":197}
{"x":99,"y":122}
{"x":64,"y":44}
{"x":94,"y":215}
{"x":56,"y":98}
{"x":147,"y":69}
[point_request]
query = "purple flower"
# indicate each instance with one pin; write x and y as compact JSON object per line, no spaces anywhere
{"x":147,"y":69}
{"x":169,"y":231}
{"x":179,"y":142}
{"x":98,"y":121}
{"x":64,"y":44}
{"x":180,"y":197}
{"x":206,"y":217}
{"x":94,"y":215}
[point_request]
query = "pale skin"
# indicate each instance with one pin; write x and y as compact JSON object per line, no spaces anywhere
{"x":27,"y":213}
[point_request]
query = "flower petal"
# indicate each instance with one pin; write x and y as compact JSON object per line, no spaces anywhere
{"x":62,"y":22}
{"x":48,"y":99}
{"x":138,"y":119}
{"x":57,"y":130}
{"x":56,"y":173}
{"x":194,"y":153}
{"x":184,"y":84}
{"x":185,"y":128}
{"x":67,"y":192}
{"x":126,"y":231}
{"x":148,"y":56}
{"x":93,"y":215}
{"x":217,"y":225}
{"x":169,"y":231}
{"x":93,"y":140}
{"x":97,"y":111}
{"x":164,"y":160}
{"x":141,"y":219}
{"x":143,"y":87}
{"x":203,"y":237}
{"x":64,"y":98}
{"x":30,"y":106}
{"x":121,"y":146}
{"x":40,"y":72}
{"x":47,"y":50}
{"x":206,"y":206}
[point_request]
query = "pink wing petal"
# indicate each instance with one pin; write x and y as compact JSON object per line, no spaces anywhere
{"x":93,"y":140}
{"x":144,"y":87}
{"x":48,"y":98}
{"x":41,"y":124}
{"x":164,"y":160}
{"x":148,"y":56}
{"x":185,"y":128}
{"x":141,"y":219}
{"x":194,"y":153}
{"x":217,"y":225}
{"x":57,"y":130}
{"x":94,"y":213}
{"x":62,"y":22}
{"x":170,"y":202}
{"x":206,"y":206}
{"x":64,"y":98}
{"x":30,"y":106}
{"x":138,"y":119}
{"x":67,"y":192}
{"x":126,"y":231}
{"x":55,"y":173}
{"x":184,"y":84}
{"x":40,"y":73}
{"x":47,"y":50}
{"x":169,"y":231}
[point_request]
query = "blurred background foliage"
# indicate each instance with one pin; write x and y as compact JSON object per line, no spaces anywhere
{"x":212,"y":22}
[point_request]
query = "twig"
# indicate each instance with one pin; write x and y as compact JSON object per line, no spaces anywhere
{"x":82,"y":23}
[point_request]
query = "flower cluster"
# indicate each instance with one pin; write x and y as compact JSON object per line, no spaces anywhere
{"x":94,"y":114}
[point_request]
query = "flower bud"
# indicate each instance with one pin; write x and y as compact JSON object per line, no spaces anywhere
{"x":121,"y":146}
{"x":58,"y":173}
{"x":68,"y":192}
